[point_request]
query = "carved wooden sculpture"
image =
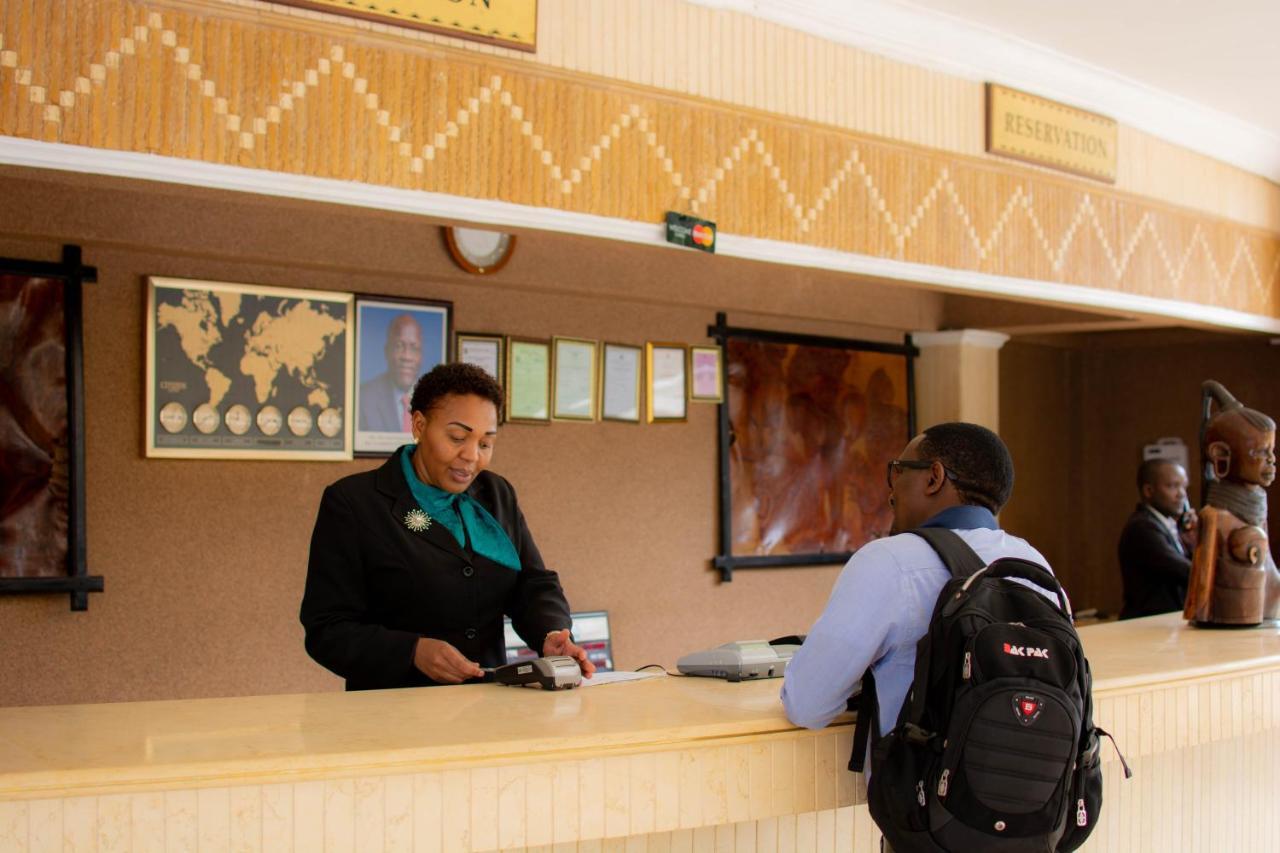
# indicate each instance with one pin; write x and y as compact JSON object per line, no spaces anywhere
{"x":1234,"y":580}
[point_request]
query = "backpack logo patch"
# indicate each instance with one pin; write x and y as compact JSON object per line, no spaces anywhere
{"x":1025,"y":651}
{"x":1027,"y":708}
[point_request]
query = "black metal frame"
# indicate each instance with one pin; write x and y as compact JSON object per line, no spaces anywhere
{"x":78,"y":582}
{"x":722,"y":332}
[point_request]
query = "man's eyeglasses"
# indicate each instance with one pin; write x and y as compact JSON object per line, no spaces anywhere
{"x":895,"y":466}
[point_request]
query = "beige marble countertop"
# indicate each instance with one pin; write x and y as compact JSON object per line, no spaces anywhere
{"x":130,"y":744}
{"x":59,"y":750}
{"x":1165,"y":649}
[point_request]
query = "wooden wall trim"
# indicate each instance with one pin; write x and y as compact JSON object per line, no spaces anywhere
{"x":274,"y":92}
{"x":71,"y":158}
{"x":770,"y":60}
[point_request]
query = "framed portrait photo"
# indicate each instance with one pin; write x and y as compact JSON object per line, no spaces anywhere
{"x":573,"y":362}
{"x":621,"y":371}
{"x":528,"y":381}
{"x":247,"y":371}
{"x":397,"y":340}
{"x":488,"y":352}
{"x":705,"y":374}
{"x":665,"y":366}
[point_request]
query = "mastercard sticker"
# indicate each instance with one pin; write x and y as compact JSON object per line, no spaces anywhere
{"x":692,"y":232}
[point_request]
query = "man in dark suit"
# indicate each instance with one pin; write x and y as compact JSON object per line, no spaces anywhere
{"x":1154,"y":561}
{"x":384,"y":399}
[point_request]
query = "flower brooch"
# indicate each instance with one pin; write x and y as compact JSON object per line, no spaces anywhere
{"x":417,"y":520}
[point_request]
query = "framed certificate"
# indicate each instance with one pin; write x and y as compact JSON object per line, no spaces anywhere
{"x":528,"y":381}
{"x":574,"y":368}
{"x":665,"y":364}
{"x":704,"y":375}
{"x":397,"y":340}
{"x":484,"y":351}
{"x":620,"y":383}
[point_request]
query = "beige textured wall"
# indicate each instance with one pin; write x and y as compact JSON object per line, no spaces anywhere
{"x":204,"y":560}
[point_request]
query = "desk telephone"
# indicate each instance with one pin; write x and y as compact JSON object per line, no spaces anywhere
{"x":743,"y":660}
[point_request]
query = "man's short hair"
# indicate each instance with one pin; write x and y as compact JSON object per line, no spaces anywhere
{"x":978,"y":459}
{"x":1150,"y":469}
{"x":454,"y":378}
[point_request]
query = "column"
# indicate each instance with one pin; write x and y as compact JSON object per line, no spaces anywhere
{"x":957,"y":377}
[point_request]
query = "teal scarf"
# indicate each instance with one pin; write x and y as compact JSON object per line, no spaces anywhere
{"x":461,"y":515}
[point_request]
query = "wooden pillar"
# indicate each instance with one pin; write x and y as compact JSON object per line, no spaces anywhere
{"x":957,"y":377}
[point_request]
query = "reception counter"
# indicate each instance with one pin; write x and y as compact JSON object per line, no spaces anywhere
{"x":668,"y":763}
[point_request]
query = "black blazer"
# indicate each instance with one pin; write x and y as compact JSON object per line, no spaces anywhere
{"x":374,"y":586}
{"x":1153,"y":565}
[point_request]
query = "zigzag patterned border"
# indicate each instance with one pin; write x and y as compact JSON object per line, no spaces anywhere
{"x":159,"y":56}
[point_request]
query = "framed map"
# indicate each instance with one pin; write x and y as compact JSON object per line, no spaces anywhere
{"x":806,"y":428}
{"x":247,"y":371}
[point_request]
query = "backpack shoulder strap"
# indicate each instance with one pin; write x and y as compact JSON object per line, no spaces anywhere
{"x":960,"y":559}
{"x":867,"y":721}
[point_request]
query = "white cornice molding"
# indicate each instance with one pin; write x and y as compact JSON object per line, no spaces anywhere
{"x":984,"y":284}
{"x":173,"y":170}
{"x":934,"y":40}
{"x":980,"y":338}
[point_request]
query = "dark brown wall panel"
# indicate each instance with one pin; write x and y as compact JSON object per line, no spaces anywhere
{"x":1076,"y":418}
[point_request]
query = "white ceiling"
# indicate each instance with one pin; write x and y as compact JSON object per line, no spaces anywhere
{"x":1224,"y":54}
{"x":1203,"y":74}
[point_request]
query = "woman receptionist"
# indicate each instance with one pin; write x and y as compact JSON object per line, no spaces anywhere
{"x":414,"y":564}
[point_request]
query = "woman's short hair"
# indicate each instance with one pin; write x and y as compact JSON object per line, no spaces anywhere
{"x":454,"y":378}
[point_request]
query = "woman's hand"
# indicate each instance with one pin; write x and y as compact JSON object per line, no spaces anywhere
{"x":443,"y":663}
{"x":558,"y":643}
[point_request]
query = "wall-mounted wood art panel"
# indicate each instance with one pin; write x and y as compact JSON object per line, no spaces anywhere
{"x":268,"y":91}
{"x":42,"y":429}
{"x":835,"y":412}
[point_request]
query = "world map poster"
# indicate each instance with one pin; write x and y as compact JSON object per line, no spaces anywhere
{"x":239,"y":371}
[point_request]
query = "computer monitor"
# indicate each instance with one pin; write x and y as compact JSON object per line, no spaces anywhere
{"x":590,"y":630}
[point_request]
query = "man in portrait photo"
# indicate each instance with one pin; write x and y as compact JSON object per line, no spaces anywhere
{"x":384,"y":399}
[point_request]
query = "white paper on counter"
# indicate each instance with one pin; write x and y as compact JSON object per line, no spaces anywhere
{"x":601,"y":678}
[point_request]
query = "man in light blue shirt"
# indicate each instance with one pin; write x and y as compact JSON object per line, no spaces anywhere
{"x":953,"y":475}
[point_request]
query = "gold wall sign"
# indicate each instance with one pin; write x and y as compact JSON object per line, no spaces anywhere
{"x":508,"y":23}
{"x":1050,"y":134}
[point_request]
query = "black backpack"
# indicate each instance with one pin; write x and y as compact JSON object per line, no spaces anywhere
{"x":995,"y":747}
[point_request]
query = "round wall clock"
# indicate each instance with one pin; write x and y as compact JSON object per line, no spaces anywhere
{"x":477,"y":251}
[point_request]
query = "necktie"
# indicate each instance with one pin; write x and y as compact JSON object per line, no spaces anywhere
{"x":406,"y":419}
